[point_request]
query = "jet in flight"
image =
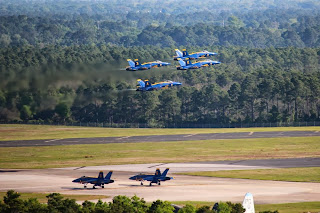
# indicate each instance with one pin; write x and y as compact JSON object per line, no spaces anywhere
{"x":136,"y":65}
{"x":147,"y":86}
{"x":185,"y":65}
{"x":184,"y":54}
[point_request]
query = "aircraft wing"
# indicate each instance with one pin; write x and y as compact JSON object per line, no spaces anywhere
{"x":149,"y":178}
{"x":93,"y":180}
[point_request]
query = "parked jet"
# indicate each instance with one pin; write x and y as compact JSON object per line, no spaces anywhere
{"x":99,"y":181}
{"x":147,"y":86}
{"x":184,"y":54}
{"x":185,"y":65}
{"x":136,"y":65}
{"x":156,"y":178}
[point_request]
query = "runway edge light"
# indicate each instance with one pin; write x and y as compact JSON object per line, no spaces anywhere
{"x":248,"y":203}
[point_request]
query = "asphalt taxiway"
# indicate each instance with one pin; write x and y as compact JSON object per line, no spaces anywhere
{"x":158,"y":138}
{"x":181,"y":188}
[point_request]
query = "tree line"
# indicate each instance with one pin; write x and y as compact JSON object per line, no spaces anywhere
{"x":120,"y":204}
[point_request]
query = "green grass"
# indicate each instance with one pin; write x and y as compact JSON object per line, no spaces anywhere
{"x":282,"y":208}
{"x":290,"y":207}
{"x":42,"y":196}
{"x":182,"y":151}
{"x":309,"y":174}
{"x":31,"y":132}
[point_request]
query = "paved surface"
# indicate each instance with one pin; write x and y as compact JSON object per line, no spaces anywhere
{"x":182,"y":188}
{"x":158,"y":138}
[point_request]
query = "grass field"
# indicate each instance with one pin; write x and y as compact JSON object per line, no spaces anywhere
{"x":31,"y":132}
{"x":309,"y":174}
{"x":182,"y":151}
{"x":282,"y":208}
{"x":42,"y":196}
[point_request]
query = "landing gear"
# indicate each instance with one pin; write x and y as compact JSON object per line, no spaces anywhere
{"x":141,"y":183}
{"x":159,"y":183}
{"x":93,"y":187}
{"x":150,"y":184}
{"x":102,"y":186}
{"x":85,"y":186}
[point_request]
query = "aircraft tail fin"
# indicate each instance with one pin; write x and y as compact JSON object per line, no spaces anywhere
{"x":131,"y":63}
{"x":182,"y":63}
{"x":141,"y":83}
{"x":136,"y":62}
{"x":157,"y":173}
{"x":100,"y":176}
{"x":108,"y":176}
{"x":185,"y":53}
{"x":165,"y":172}
{"x":179,"y":53}
{"x":147,"y":83}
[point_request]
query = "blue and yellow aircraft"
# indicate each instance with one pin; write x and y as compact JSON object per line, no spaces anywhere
{"x":185,"y":65}
{"x":184,"y":54}
{"x":147,"y":86}
{"x":136,"y":65}
{"x":156,"y":178}
{"x":99,"y":181}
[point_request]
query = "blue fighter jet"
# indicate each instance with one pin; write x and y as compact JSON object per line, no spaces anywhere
{"x":185,"y":65}
{"x":157,"y":63}
{"x":99,"y":181}
{"x":156,"y":178}
{"x":136,"y":65}
{"x":184,"y":54}
{"x":147,"y":86}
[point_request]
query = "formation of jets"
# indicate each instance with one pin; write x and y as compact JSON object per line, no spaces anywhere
{"x":100,"y":180}
{"x":184,"y":59}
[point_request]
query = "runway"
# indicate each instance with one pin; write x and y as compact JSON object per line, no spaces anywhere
{"x":181,"y":188}
{"x":158,"y":138}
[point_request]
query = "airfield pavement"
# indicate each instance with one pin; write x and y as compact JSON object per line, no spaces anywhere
{"x":158,"y":138}
{"x":181,"y":188}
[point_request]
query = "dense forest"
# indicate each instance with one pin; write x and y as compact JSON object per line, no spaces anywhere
{"x":63,"y":61}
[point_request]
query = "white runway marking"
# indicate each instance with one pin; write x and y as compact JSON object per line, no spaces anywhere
{"x":251,"y":133}
{"x":188,"y":135}
{"x":53,"y":140}
{"x":123,"y":138}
